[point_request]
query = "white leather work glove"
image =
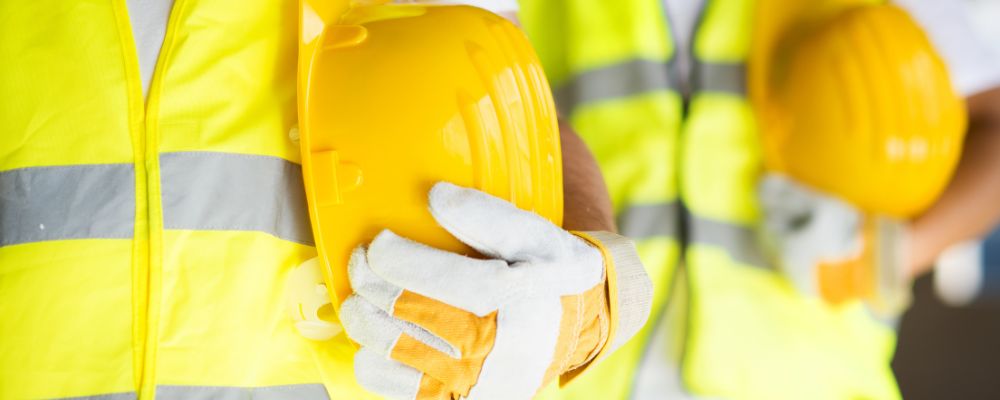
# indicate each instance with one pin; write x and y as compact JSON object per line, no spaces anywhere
{"x":827,"y":248}
{"x":438,"y":325}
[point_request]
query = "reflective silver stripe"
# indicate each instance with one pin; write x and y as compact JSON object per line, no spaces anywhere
{"x":720,"y":77}
{"x":615,"y":81}
{"x":639,"y":76}
{"x":238,"y":192}
{"x":95,"y":201}
{"x":740,"y":242}
{"x":110,"y":396}
{"x":314,"y":391}
{"x":642,"y":221}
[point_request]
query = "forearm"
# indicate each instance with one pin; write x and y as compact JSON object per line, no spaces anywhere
{"x":970,"y":206}
{"x":585,"y":197}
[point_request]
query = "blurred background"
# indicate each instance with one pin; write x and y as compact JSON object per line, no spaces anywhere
{"x":949,"y":350}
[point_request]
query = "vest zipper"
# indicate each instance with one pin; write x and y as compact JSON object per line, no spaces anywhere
{"x":148,"y":234}
{"x":147,"y":383}
{"x":679,"y":276}
{"x":140,"y":242}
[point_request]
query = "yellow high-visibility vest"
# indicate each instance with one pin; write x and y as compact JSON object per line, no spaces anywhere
{"x":144,"y":244}
{"x":684,"y":176}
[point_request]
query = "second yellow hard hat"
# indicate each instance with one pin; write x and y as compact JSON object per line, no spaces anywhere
{"x":854,"y":101}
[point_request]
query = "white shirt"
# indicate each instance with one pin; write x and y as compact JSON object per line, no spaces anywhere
{"x":974,"y":65}
{"x":149,"y":25}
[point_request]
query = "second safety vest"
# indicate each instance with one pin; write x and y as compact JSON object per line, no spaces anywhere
{"x":683,"y":176}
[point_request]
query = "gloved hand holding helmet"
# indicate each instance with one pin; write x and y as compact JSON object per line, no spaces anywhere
{"x":433,"y":173}
{"x":543,"y":304}
{"x":830,"y":249}
{"x":859,"y":117}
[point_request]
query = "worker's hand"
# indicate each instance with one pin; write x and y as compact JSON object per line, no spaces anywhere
{"x":827,"y":248}
{"x":546,"y":303}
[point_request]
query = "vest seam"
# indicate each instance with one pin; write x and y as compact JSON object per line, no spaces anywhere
{"x":228,"y":154}
{"x":90,"y":165}
{"x":697,"y":91}
{"x":147,"y":388}
{"x":136,"y":133}
{"x":679,"y":232}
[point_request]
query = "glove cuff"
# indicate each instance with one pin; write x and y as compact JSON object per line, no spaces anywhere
{"x":630,"y":292}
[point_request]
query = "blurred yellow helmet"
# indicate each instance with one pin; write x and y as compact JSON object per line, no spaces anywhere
{"x":394,"y":98}
{"x":854,"y":101}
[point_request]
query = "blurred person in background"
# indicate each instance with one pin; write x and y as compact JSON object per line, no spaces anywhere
{"x":946,"y":339}
{"x":965,"y":271}
{"x":967,"y":211}
{"x":658,"y":89}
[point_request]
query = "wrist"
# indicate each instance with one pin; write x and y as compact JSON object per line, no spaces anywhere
{"x":919,"y":254}
{"x":894,"y":276}
{"x":627,"y":293}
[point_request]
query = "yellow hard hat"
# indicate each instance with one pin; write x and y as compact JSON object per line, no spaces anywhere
{"x":394,"y":98}
{"x":854,"y":101}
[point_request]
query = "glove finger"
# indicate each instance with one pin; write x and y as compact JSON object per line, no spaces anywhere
{"x":366,"y":283}
{"x":461,"y":329}
{"x":394,"y":380}
{"x":456,"y":375}
{"x":375,"y":329}
{"x":477,"y":286}
{"x":386,"y":377}
{"x":469,"y":333}
{"x":410,"y":345}
{"x":496,"y":227}
{"x":433,"y":389}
